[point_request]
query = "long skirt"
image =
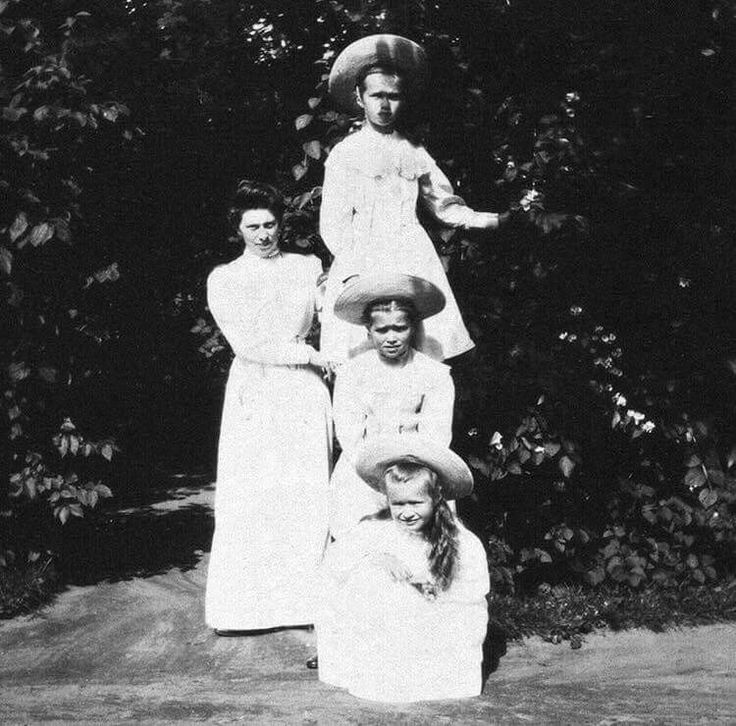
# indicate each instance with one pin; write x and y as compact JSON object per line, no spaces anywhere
{"x":271,"y":498}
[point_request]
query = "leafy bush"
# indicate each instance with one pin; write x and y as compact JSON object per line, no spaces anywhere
{"x":54,"y":333}
{"x":598,"y":408}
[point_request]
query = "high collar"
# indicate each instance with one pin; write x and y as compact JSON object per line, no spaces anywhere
{"x":248,"y":255}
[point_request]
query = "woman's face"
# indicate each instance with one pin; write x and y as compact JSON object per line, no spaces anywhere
{"x":381,"y":97}
{"x":410,"y":504}
{"x":260,"y":230}
{"x":391,"y":333}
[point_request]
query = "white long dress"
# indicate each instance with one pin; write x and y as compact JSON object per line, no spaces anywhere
{"x":368,"y":220}
{"x":373,"y":398}
{"x":382,"y":639}
{"x":274,"y":451}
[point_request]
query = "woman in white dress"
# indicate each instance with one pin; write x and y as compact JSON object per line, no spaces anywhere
{"x":404,"y":613}
{"x":391,"y":388}
{"x":373,"y":180}
{"x":274,"y":451}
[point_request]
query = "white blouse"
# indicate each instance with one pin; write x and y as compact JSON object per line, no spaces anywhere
{"x":372,"y":183}
{"x":265,"y":306}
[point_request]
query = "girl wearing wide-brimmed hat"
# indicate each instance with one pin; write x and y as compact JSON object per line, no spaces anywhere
{"x":390,"y":388}
{"x":373,"y":180}
{"x":404,"y":614}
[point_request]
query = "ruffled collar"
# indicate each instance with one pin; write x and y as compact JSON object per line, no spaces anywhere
{"x":382,"y":155}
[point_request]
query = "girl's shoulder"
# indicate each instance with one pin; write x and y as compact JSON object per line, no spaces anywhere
{"x":361,"y":364}
{"x":428,"y":372}
{"x":430,"y":366}
{"x":366,"y":152}
{"x":470,"y":546}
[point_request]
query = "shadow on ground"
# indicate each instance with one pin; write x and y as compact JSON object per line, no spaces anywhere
{"x":171,"y":530}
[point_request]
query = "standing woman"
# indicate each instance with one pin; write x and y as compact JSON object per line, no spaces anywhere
{"x":274,"y":451}
{"x":373,"y":181}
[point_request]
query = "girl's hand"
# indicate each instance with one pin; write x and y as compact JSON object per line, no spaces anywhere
{"x":489,"y":220}
{"x":393,"y":566}
{"x":428,"y":589}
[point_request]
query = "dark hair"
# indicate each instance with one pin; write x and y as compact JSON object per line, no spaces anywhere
{"x":385,"y":68}
{"x":255,"y":195}
{"x":388,"y":306}
{"x":441,"y":532}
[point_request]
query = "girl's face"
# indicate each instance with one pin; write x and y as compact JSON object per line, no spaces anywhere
{"x":260,"y":230}
{"x":381,"y":97}
{"x":410,"y":504}
{"x":390,"y":333}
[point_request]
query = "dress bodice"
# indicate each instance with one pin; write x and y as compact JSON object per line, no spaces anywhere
{"x":373,"y":398}
{"x":265,"y":306}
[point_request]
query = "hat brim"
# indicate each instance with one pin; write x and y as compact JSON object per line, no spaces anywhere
{"x":406,"y":56}
{"x":377,"y":454}
{"x":360,"y":291}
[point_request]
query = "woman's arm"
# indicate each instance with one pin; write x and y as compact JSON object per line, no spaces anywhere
{"x":236,"y":320}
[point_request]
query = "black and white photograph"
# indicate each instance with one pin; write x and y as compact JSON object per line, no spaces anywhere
{"x":368,"y":362}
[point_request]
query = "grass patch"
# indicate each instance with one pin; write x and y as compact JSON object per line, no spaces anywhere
{"x":567,"y":612}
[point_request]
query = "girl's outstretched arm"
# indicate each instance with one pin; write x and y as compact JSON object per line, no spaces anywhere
{"x":445,"y":206}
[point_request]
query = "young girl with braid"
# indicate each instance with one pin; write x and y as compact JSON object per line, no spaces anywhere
{"x":404,"y":613}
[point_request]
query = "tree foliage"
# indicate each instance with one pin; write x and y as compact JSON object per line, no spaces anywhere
{"x":597,"y":410}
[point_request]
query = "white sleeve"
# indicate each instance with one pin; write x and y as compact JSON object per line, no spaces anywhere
{"x":336,"y":209}
{"x":440,"y":200}
{"x":437,"y":409}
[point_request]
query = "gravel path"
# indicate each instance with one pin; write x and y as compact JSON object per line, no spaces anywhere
{"x":137,"y":650}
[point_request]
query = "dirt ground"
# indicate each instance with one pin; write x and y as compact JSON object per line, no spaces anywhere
{"x":129,"y":645}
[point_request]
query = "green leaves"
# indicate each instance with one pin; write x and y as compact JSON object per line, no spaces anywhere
{"x":303,"y":121}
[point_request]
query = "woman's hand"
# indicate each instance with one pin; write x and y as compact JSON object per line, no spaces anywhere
{"x":318,"y":360}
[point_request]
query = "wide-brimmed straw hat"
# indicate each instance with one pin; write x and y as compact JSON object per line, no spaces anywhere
{"x":380,"y":452}
{"x":362,"y":290}
{"x":406,"y":56}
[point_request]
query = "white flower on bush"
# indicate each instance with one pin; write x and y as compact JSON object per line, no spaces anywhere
{"x":496,"y":441}
{"x":636,"y":416}
{"x":619,"y":399}
{"x":647,"y":427}
{"x":530,"y":196}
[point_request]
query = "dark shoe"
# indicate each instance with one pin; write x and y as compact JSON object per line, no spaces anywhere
{"x":228,"y":633}
{"x":312,"y":663}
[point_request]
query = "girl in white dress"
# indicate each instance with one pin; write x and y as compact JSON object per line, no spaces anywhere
{"x":391,"y":388}
{"x":274,"y":451}
{"x":404,"y":613}
{"x":373,"y":181}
